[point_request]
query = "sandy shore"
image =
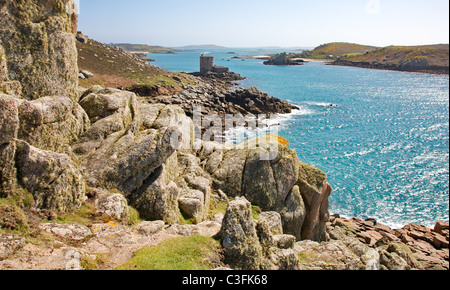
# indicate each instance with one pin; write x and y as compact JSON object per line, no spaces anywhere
{"x":314,"y":60}
{"x":257,"y":57}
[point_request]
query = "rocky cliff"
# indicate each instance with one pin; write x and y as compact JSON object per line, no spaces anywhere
{"x":78,"y":166}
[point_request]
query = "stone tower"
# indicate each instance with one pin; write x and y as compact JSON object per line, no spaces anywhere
{"x":206,"y":64}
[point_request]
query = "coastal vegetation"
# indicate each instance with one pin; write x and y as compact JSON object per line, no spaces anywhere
{"x":184,"y":253}
{"x":329,"y":51}
{"x":144,"y":48}
{"x":425,"y":58}
{"x":337,"y":49}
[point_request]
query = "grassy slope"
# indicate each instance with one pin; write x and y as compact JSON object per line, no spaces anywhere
{"x":184,"y":253}
{"x":120,"y":69}
{"x":144,"y":48}
{"x":339,"y":48}
{"x":434,"y":55}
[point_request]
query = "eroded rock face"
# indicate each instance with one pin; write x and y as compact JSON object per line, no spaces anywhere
{"x":52,"y":178}
{"x":157,"y":198}
{"x":52,"y":123}
{"x":9,"y":126}
{"x":144,"y":151}
{"x":239,"y":238}
{"x":38,"y":47}
{"x":315,"y":190}
{"x":411,"y":247}
{"x":266,"y":172}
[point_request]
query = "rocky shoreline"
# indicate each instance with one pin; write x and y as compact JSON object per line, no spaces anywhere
{"x":88,"y":176}
{"x":395,"y":67}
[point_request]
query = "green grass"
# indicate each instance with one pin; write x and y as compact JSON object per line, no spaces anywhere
{"x":221,"y":207}
{"x":217,"y":206}
{"x":85,"y":215}
{"x":134,"y":216}
{"x":184,"y":253}
{"x":256,"y":211}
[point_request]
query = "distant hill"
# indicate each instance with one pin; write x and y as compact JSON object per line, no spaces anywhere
{"x":425,"y":58}
{"x":116,"y":68}
{"x":336,"y":49}
{"x":143,"y":48}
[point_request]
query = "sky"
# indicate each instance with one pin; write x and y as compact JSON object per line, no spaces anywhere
{"x":263,"y":23}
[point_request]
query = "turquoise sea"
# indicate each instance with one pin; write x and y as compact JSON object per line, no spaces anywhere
{"x":385,"y":147}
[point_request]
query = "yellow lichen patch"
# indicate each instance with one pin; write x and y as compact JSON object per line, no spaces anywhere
{"x":283,"y":141}
{"x":112,"y":224}
{"x":279,"y":139}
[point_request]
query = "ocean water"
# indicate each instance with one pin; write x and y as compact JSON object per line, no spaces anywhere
{"x":384,"y":147}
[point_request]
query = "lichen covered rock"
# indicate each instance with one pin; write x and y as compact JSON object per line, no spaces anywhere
{"x":113,"y":204}
{"x":52,"y":123}
{"x":38,"y":45}
{"x":239,"y":239}
{"x":266,"y":172}
{"x":52,"y":178}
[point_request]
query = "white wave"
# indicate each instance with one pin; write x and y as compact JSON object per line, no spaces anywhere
{"x":361,"y":153}
{"x":274,"y":124}
{"x":321,"y":104}
{"x":438,"y":126}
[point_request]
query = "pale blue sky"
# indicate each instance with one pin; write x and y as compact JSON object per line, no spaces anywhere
{"x":252,"y":23}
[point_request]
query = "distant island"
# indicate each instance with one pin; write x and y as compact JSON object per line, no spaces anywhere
{"x":143,"y":48}
{"x":201,"y":46}
{"x":426,"y":58}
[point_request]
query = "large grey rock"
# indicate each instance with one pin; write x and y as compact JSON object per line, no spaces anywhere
{"x":242,"y":250}
{"x":273,"y":221}
{"x":157,"y":198}
{"x":269,"y":175}
{"x":9,"y":118}
{"x":52,"y":123}
{"x":52,"y":178}
{"x":144,"y":151}
{"x":228,"y":176}
{"x":3,"y":65}
{"x":149,"y":228}
{"x":191,"y":203}
{"x":334,"y":255}
{"x":284,"y":260}
{"x":9,"y":127}
{"x":393,"y":261}
{"x":8,"y":170}
{"x":121,"y":149}
{"x":73,"y":231}
{"x":39,"y":46}
{"x":114,"y":205}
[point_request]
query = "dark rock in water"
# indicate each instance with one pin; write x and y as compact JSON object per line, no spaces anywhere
{"x":283,"y":59}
